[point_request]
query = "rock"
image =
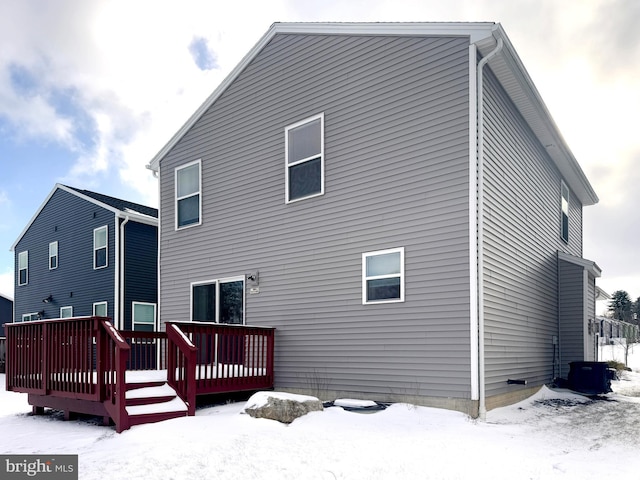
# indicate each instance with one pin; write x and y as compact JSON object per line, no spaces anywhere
{"x":282,"y":407}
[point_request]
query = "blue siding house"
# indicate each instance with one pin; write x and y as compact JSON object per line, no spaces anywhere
{"x":6,"y":313}
{"x":84,"y":253}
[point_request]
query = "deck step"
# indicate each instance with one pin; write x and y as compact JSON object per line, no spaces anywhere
{"x":149,"y":395}
{"x":156,"y":412}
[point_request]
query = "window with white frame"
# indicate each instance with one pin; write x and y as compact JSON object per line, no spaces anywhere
{"x":23,"y":268}
{"x":564,"y":205}
{"x":66,"y":312}
{"x":30,"y":317}
{"x":100,"y":309}
{"x":383,"y":276}
{"x":144,"y":316}
{"x":220,"y":301}
{"x":53,"y":255}
{"x":304,"y":152}
{"x":100,"y":249}
{"x":188,"y":199}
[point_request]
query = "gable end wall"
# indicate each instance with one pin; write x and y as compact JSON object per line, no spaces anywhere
{"x":397,"y":158}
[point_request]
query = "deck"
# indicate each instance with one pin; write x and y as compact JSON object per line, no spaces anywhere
{"x":85,"y":365}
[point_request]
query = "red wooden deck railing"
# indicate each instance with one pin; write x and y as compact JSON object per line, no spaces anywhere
{"x":79,"y":364}
{"x":229,"y":358}
{"x":78,"y":361}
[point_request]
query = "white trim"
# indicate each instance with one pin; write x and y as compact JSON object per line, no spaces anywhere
{"x":99,"y":248}
{"x":68,"y":307}
{"x":400,"y":275}
{"x":288,"y":165}
{"x":199,"y":193}
{"x":52,"y":256}
{"x":106,"y":308}
{"x":473,"y":221}
{"x":563,"y":187}
{"x":133,"y":314}
{"x":217,"y":282}
{"x":27,"y":268}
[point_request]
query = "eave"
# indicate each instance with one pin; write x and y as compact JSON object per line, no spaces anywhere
{"x":506,"y":66}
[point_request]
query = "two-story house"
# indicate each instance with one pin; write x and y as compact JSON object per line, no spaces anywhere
{"x":397,"y":201}
{"x":84,"y":253}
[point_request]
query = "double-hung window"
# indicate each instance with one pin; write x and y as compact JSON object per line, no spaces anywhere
{"x":564,"y":216}
{"x":144,"y":317}
{"x":100,"y":248}
{"x":304,"y":151}
{"x":188,"y":198}
{"x":220,"y":301}
{"x":383,"y":276}
{"x":53,"y":255}
{"x":66,"y":312}
{"x":23,"y":268}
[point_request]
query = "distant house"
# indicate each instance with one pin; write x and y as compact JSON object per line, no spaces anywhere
{"x":84,"y":253}
{"x":397,"y":201}
{"x":6,"y":316}
{"x":6,"y":312}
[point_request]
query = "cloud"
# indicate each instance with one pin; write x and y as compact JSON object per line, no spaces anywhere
{"x":205,"y":58}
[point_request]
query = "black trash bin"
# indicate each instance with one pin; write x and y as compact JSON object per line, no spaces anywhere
{"x":592,"y":378}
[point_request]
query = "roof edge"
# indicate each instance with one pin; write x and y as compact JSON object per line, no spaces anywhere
{"x":592,"y":267}
{"x":475,"y":30}
{"x":58,"y":186}
{"x":558,"y":150}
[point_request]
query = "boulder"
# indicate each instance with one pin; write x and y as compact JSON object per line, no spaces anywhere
{"x":282,"y":407}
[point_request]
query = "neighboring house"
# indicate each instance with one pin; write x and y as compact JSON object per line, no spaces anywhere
{"x":6,"y":313}
{"x":6,"y":316}
{"x":84,"y":254}
{"x":617,"y":332}
{"x":407,"y":217}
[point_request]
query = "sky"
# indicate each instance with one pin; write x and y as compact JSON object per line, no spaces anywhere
{"x":552,"y":435}
{"x":91,"y":90}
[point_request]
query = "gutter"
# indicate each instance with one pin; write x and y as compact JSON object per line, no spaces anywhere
{"x":119,"y":322}
{"x":482,"y":408}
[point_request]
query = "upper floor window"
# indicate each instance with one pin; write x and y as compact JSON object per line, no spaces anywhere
{"x":144,"y":317}
{"x":304,"y":152}
{"x":53,"y":255}
{"x":564,"y":202}
{"x":66,"y":312}
{"x":100,"y":247}
{"x":188,"y":198}
{"x":383,"y":276}
{"x":23,"y":268}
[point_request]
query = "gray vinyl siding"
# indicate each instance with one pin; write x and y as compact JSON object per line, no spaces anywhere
{"x":522,"y":237}
{"x":70,"y":221}
{"x":396,"y":175}
{"x":571,"y":315}
{"x":141,"y":267}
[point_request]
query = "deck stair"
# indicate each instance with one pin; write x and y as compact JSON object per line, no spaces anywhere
{"x":153,"y":401}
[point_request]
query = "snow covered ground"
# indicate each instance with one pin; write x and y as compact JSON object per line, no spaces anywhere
{"x":553,"y":435}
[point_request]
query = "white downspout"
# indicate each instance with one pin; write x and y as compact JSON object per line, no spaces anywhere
{"x":120,"y":301}
{"x":482,"y":407}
